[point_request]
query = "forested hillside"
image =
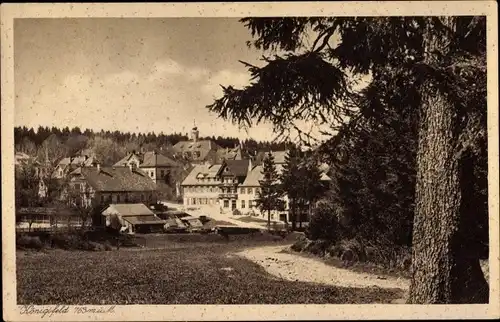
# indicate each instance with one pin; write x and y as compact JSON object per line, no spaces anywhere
{"x":109,"y":146}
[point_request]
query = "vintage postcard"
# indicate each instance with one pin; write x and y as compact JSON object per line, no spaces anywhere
{"x":250,"y":161}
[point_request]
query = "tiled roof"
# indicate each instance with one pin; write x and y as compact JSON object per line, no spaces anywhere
{"x":129,"y":209}
{"x":209,"y":171}
{"x":154,"y":159}
{"x":228,"y":154}
{"x":237,"y":167}
{"x":203,"y":148}
{"x":118,"y":179}
{"x":21,"y":158}
{"x":255,"y":175}
{"x":144,"y":220}
{"x":77,"y":161}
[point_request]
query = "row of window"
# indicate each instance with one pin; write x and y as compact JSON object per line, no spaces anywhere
{"x":47,"y":219}
{"x":201,"y":201}
{"x":195,"y":154}
{"x":109,"y":198}
{"x":163,"y":174}
{"x":221,"y":189}
{"x":202,"y":189}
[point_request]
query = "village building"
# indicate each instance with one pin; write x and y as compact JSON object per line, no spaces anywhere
{"x":249,"y":189}
{"x":158,"y":166}
{"x":238,"y":184}
{"x":69,"y":164}
{"x":23,"y":161}
{"x":46,"y":218}
{"x":132,"y":218}
{"x":195,"y":150}
{"x":198,"y":151}
{"x":202,"y":185}
{"x":232,"y":174}
{"x":96,"y":185}
{"x":165,"y":172}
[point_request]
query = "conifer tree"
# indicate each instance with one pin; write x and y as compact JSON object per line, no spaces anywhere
{"x":270,"y":195}
{"x":290,"y":178}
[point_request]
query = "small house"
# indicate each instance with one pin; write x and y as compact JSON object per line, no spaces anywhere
{"x":132,"y":218}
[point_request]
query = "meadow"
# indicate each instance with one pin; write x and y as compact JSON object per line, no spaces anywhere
{"x":166,"y":269}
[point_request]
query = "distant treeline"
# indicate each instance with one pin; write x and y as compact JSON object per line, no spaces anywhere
{"x":72,"y":140}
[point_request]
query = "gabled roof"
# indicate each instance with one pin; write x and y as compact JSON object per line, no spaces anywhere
{"x":228,"y":154}
{"x":85,"y":161}
{"x":117,"y":179}
{"x":154,"y":159}
{"x":21,"y":158}
{"x":203,"y":148}
{"x":255,"y":175}
{"x":123,"y":162}
{"x":279,"y":156}
{"x":239,"y":168}
{"x":128,"y":209}
{"x":210,"y":171}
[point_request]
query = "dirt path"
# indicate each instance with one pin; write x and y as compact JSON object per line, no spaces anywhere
{"x":297,"y":268}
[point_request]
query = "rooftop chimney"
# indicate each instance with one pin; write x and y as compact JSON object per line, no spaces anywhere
{"x":250,"y":164}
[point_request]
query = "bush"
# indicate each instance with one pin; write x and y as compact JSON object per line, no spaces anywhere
{"x":335,"y":251}
{"x":301,"y":244}
{"x":67,"y":241}
{"x":107,"y":246}
{"x":93,"y":246}
{"x":355,"y":247}
{"x":236,"y":212}
{"x":323,"y":224}
{"x":29,"y":242}
{"x":318,"y":247}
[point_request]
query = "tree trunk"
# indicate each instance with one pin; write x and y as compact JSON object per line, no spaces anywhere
{"x":442,"y":272}
{"x":294,"y":215}
{"x":269,"y":220}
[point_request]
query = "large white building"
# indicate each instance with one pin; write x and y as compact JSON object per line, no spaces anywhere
{"x":202,"y":185}
{"x":233,"y":185}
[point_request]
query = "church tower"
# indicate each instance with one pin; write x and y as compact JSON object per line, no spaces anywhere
{"x":195,"y":133}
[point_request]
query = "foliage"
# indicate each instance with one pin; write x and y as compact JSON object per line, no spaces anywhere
{"x":311,"y":189}
{"x":27,"y":183}
{"x":270,"y":194}
{"x":394,"y":51}
{"x":289,"y":178}
{"x":323,"y":224}
{"x":28,"y":242}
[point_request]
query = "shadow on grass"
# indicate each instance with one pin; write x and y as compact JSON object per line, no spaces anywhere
{"x":196,"y":273}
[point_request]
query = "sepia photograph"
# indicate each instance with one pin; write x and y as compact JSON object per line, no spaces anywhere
{"x":248,"y":159}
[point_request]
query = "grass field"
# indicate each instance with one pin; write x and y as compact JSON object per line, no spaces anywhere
{"x":170,"y":270}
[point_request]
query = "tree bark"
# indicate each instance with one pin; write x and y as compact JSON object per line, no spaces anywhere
{"x":269,"y":220}
{"x":443,"y":272}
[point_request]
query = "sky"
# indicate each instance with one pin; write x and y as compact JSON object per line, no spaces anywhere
{"x":130,"y":74}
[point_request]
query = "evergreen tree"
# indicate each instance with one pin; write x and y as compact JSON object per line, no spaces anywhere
{"x":270,"y":195}
{"x":443,"y":59}
{"x":310,"y":185}
{"x":290,"y":179}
